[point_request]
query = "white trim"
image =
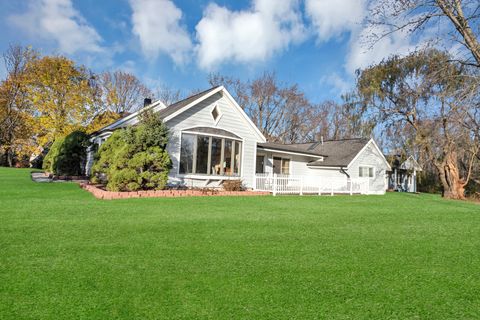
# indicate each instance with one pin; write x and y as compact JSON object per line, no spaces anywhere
{"x":191,"y":104}
{"x":367,"y":166}
{"x":220,"y":113}
{"x":135,"y":114}
{"x":245,"y":116}
{"x":290,"y":152}
{"x":207,"y":176}
{"x":227,"y":94}
{"x":363,"y":149}
{"x":290,"y":162}
{"x":323,"y":168}
{"x":192,"y":131}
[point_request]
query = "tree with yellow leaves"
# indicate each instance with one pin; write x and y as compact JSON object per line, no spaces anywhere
{"x":62,"y":95}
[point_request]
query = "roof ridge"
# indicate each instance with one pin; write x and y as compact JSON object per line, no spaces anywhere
{"x":319,"y":141}
{"x":194,"y":95}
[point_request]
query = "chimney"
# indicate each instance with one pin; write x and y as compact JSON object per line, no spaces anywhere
{"x":147,"y":102}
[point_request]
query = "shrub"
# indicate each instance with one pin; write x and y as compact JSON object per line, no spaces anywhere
{"x":135,"y":158}
{"x":67,"y":155}
{"x":233,"y":185}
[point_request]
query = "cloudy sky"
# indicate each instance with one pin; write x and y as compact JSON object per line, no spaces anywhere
{"x":315,"y":43}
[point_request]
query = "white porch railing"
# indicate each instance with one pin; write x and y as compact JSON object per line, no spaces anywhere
{"x":289,"y":184}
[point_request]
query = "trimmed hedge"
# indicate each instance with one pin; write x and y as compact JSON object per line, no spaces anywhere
{"x":67,"y":155}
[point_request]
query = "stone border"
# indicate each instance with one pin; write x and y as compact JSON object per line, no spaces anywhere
{"x":110,"y":195}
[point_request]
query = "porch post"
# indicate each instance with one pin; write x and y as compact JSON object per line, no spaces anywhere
{"x":274,"y":184}
{"x":301,"y":185}
{"x":414,"y":180}
{"x":351,"y":186}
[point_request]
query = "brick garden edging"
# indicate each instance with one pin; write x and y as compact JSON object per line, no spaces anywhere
{"x":110,"y":195}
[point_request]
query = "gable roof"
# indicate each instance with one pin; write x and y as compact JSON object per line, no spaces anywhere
{"x":289,"y":148}
{"x":339,"y":153}
{"x":411,"y":164}
{"x":167,"y":113}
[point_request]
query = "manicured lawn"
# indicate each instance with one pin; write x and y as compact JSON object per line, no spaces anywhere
{"x":66,"y":255}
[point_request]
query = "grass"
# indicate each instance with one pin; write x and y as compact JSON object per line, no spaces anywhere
{"x":66,"y":255}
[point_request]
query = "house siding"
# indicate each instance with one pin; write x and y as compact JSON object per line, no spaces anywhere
{"x":370,"y":157}
{"x":231,"y":120}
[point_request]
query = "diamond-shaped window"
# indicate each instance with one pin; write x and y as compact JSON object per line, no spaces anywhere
{"x":215,"y":113}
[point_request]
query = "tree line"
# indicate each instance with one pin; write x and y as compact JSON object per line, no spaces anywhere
{"x":426,"y":103}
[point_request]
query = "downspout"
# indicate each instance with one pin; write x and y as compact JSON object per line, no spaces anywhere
{"x":342,"y":170}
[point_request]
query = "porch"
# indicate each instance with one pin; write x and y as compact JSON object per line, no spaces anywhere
{"x":313,"y":185}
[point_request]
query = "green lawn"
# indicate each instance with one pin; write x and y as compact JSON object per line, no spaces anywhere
{"x":66,"y":255}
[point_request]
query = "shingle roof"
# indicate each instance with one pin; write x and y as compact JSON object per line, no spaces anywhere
{"x":337,"y":153}
{"x":163,"y":112}
{"x":288,"y":147}
{"x":171,"y":109}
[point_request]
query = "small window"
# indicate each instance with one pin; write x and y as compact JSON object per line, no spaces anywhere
{"x":365,"y":172}
{"x":215,"y":113}
{"x":260,"y":167}
{"x":281,"y":165}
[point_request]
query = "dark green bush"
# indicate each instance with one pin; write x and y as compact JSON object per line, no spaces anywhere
{"x":134,"y":158}
{"x":67,"y":155}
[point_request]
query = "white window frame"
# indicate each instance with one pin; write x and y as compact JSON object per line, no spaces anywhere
{"x":220,"y":113}
{"x":208,"y":174}
{"x":289,"y":164}
{"x":265,"y":158}
{"x":369,"y":167}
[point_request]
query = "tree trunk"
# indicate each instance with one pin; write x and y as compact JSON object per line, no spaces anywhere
{"x":9,"y":156}
{"x":453,"y":184}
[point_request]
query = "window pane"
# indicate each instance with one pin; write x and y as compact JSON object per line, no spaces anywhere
{"x":285,"y":166}
{"x":227,"y":158}
{"x":237,"y":156}
{"x":216,"y":158}
{"x":370,"y":172}
{"x":277,"y":165}
{"x":260,"y":164}
{"x":202,"y":154}
{"x":186,"y":153}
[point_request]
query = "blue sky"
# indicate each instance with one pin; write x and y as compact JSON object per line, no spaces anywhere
{"x":177,"y":43}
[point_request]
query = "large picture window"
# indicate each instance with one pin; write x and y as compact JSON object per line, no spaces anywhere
{"x":202,"y":154}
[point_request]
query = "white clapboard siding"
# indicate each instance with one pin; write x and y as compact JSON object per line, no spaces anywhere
{"x":231,"y":120}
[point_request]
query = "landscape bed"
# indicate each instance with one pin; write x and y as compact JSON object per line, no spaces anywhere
{"x":65,"y":254}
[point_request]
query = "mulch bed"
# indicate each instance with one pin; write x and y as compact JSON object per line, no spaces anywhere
{"x":99,"y":193}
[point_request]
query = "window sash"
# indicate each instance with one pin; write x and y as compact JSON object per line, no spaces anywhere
{"x":210,"y":155}
{"x":365,"y":172}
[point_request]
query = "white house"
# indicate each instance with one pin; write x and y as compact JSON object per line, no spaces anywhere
{"x":212,"y":140}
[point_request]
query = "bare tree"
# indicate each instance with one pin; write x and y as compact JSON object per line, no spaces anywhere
{"x":168,"y":95}
{"x":15,"y":109}
{"x":425,"y":91}
{"x":415,"y":16}
{"x":122,"y":92}
{"x":281,"y":112}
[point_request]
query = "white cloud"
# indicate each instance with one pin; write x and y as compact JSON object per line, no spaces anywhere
{"x":363,"y":54}
{"x":339,"y":84}
{"x":330,"y":18}
{"x":269,"y":26}
{"x":157,"y":25}
{"x":57,"y":20}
